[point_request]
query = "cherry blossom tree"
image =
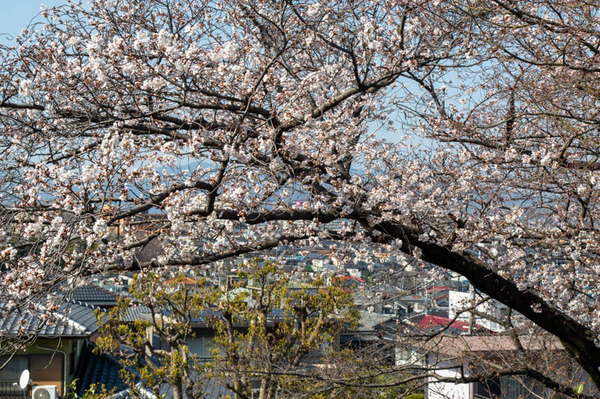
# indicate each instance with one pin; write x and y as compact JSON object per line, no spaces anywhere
{"x":222,"y":128}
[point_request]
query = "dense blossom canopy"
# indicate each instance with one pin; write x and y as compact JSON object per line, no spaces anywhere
{"x":220,"y":128}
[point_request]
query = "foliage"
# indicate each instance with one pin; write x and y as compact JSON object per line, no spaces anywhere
{"x":97,"y":392}
{"x":283,"y":330}
{"x":171,"y":311}
{"x":264,"y":331}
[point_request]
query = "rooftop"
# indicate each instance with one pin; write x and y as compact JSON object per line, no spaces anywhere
{"x":70,"y":320}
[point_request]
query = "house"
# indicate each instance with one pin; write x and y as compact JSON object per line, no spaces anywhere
{"x":411,"y":330}
{"x":375,"y":334}
{"x":456,"y":357}
{"x":439,"y":324}
{"x":485,"y":311}
{"x":53,"y":342}
{"x":94,"y":295}
{"x":351,"y":283}
{"x":101,"y":370}
{"x":414,"y":303}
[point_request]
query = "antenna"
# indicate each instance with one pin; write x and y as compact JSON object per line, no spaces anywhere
{"x":24,"y":380}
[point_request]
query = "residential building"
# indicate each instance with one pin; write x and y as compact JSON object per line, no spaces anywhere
{"x":477,"y":357}
{"x":54,"y":342}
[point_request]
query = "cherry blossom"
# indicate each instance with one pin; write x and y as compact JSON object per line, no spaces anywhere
{"x":460,"y":132}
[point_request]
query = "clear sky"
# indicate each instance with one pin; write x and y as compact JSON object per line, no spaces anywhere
{"x":17,"y":14}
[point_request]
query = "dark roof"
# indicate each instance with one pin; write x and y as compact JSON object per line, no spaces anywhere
{"x":70,"y":320}
{"x":202,"y":320}
{"x":412,"y":298}
{"x":136,"y":312}
{"x":94,"y":295}
{"x":443,"y":312}
{"x":102,"y":370}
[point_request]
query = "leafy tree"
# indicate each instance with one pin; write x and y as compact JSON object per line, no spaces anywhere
{"x":171,"y":309}
{"x":266,"y":335}
{"x":222,"y":128}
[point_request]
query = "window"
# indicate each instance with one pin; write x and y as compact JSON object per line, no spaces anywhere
{"x":488,"y":389}
{"x":521,"y":388}
{"x":44,"y":369}
{"x":202,"y":347}
{"x":11,"y":374}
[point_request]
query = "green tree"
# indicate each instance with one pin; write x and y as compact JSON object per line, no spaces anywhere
{"x":267,"y":335}
{"x":171,"y":308}
{"x":270,"y":331}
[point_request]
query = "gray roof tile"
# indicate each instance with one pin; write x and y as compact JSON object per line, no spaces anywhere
{"x":93,"y":294}
{"x":69,"y":320}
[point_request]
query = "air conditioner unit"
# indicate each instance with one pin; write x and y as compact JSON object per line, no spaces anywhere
{"x":44,"y":392}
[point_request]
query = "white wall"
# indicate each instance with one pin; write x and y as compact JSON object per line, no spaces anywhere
{"x":458,"y":301}
{"x":446,"y":390}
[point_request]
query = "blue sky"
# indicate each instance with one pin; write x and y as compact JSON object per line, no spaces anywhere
{"x":17,"y":14}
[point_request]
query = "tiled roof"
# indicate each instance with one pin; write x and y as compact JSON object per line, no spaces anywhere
{"x":459,"y":345}
{"x":136,"y":312}
{"x":98,"y":369}
{"x":93,"y":294}
{"x":369,"y":320}
{"x":70,"y":320}
{"x":105,"y":372}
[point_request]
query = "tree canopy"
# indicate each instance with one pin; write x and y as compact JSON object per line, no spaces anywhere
{"x":222,"y":128}
{"x":256,"y":335}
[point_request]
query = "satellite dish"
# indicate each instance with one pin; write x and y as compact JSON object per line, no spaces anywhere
{"x":24,"y":379}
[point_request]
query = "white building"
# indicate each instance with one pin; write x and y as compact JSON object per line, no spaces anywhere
{"x":487,"y":313}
